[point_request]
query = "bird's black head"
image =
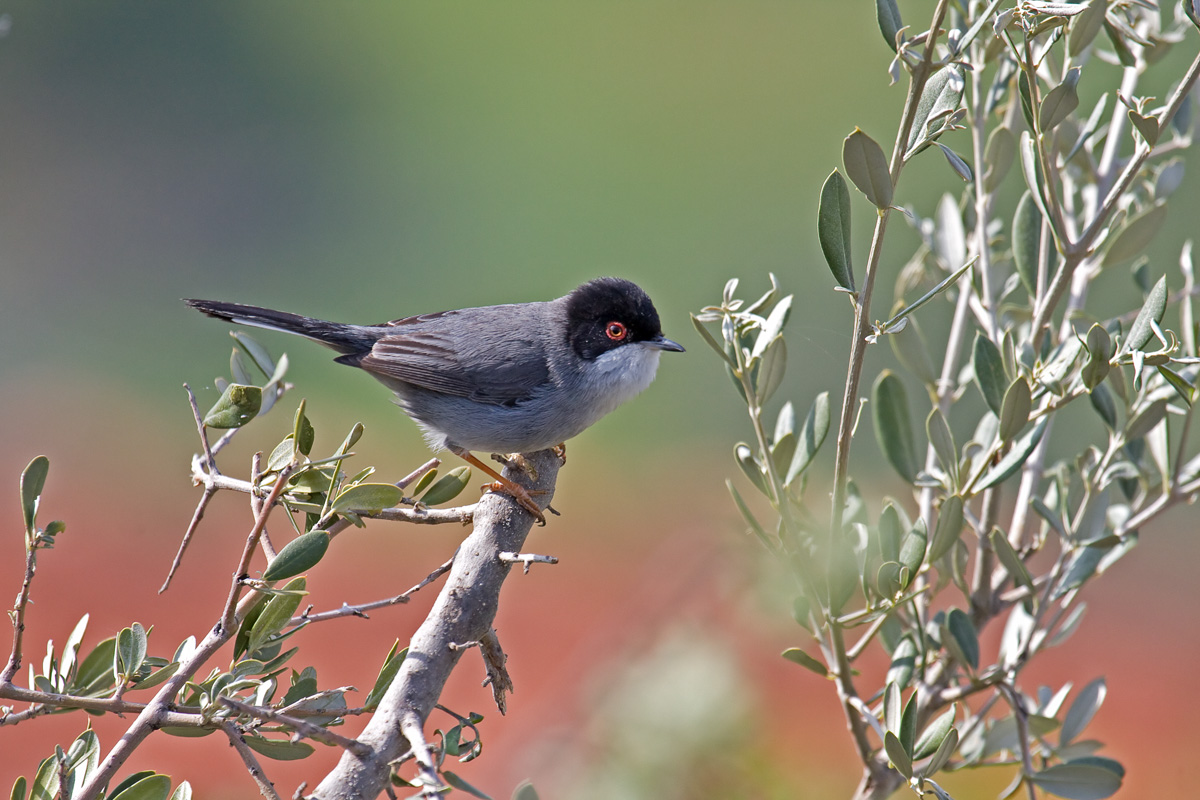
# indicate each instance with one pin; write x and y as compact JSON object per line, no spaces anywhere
{"x":608,"y":313}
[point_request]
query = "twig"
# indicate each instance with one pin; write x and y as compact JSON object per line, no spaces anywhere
{"x":256,"y":506}
{"x":265,"y":786}
{"x":1022,"y":718}
{"x":197,"y":515}
{"x":202,"y":430}
{"x":527,"y":559}
{"x":359,"y":610}
{"x":494,"y":661}
{"x":18,"y":612}
{"x":302,"y":727}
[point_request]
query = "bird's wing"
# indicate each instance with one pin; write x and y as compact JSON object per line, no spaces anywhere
{"x":484,"y":358}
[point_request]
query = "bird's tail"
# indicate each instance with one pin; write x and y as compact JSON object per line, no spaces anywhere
{"x":346,"y":339}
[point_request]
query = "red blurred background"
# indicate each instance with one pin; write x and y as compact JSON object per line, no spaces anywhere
{"x":370,"y":162}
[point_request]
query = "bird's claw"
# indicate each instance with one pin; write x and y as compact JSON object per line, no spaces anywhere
{"x":522,"y":495}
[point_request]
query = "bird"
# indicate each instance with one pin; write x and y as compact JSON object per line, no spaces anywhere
{"x":512,"y":378}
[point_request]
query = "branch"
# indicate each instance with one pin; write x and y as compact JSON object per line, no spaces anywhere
{"x":152,"y":715}
{"x":463,"y":612}
{"x":265,"y":787}
{"x":360,"y":610}
{"x":303,"y":728}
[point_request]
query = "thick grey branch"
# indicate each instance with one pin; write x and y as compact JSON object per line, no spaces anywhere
{"x":464,"y":612}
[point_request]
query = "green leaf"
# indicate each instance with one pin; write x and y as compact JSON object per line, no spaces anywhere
{"x":941,"y":95}
{"x":912,"y":550}
{"x":368,"y":498}
{"x":1014,"y":410}
{"x":887,"y":13}
{"x":525,"y":791}
{"x":302,"y":430}
{"x":888,"y":579}
{"x":798,"y":656}
{"x":893,"y":428}
{"x":771,"y":328}
{"x":300,"y":554}
{"x":239,"y":367}
{"x":237,"y":405}
{"x":904,"y":659}
{"x":942,"y":756}
{"x":95,"y":675}
{"x":1136,"y":234}
{"x":896,"y":754}
{"x":1084,"y":707}
{"x":833,"y":227}
{"x":130,"y":780}
{"x":1146,"y":125}
{"x":957,"y":163}
{"x":387,"y":673}
{"x":33,"y":480}
{"x":1060,"y":102}
{"x":1150,"y":315}
{"x":949,"y":526}
{"x":1027,"y":241}
{"x":256,"y":352}
{"x":131,"y":650}
{"x":867,"y":168}
{"x":783,"y":442}
{"x":1102,"y":400}
{"x":1009,"y":558}
{"x":962,"y":632}
{"x":908,"y":725}
{"x":999,"y":154}
{"x":276,"y":613}
{"x":933,"y":735}
{"x":812,"y":436}
{"x":989,"y":372}
{"x":771,"y":371}
{"x":151,"y":787}
{"x":182,"y":792}
{"x":1182,"y":387}
{"x":1031,"y":168}
{"x":744,"y":456}
{"x":908,"y":344}
{"x":942,"y":440}
{"x":1146,"y":420}
{"x":1077,"y":781}
{"x":1099,"y":347}
{"x":893,"y":708}
{"x":461,"y":785}
{"x":710,"y":340}
{"x":156,"y":677}
{"x":19,"y":789}
{"x":279,"y":749}
{"x":748,"y":515}
{"x":891,"y":529}
{"x":1086,"y":26}
{"x":448,"y":487}
{"x":1015,"y":458}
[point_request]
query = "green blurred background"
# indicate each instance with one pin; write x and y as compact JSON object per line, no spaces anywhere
{"x":367,"y":161}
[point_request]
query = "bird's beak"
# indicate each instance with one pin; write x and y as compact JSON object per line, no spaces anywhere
{"x":661,"y":342}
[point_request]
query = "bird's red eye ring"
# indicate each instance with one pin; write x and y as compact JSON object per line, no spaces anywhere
{"x":616,"y":331}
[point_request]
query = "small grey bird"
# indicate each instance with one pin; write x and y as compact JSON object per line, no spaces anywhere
{"x":513,"y":378}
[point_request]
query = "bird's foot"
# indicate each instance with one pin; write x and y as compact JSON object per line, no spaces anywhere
{"x":523,"y":496}
{"x":560,"y":450}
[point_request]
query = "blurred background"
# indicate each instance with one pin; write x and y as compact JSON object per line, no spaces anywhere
{"x":370,"y":161}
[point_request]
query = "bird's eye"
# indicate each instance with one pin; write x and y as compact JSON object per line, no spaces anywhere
{"x":616,"y":331}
